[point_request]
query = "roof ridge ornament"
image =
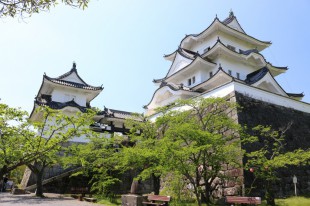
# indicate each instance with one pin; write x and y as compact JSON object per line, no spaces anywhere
{"x":74,"y":66}
{"x":231,"y":13}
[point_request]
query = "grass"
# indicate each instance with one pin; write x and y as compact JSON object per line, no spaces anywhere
{"x":292,"y":201}
{"x":107,"y":202}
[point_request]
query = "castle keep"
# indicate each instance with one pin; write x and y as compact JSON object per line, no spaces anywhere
{"x":221,"y":61}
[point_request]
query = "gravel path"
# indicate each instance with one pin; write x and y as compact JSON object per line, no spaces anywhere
{"x":7,"y":199}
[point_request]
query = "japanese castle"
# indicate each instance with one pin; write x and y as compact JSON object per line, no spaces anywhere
{"x":221,"y":61}
{"x":218,"y":61}
{"x":70,"y":93}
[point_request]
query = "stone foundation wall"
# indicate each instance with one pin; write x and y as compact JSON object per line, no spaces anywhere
{"x":255,"y":112}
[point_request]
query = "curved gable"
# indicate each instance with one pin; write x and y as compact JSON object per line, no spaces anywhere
{"x":166,"y":95}
{"x":180,"y":61}
{"x":268,"y":83}
{"x":219,"y":26}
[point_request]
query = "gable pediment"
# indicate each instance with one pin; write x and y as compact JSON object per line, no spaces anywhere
{"x":179,"y":63}
{"x":268,"y":83}
{"x":73,"y":77}
{"x":234,"y":24}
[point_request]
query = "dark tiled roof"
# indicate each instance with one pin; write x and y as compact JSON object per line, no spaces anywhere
{"x":247,"y":52}
{"x":182,"y":54}
{"x":158,"y":80}
{"x":72,"y":84}
{"x":59,"y":80}
{"x":60,"y":105}
{"x":224,"y":23}
{"x":174,"y":87}
{"x":117,"y":114}
{"x":295,"y":94}
{"x":229,"y":19}
{"x":256,"y":76}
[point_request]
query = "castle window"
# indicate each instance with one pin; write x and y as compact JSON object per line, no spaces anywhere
{"x":238,"y":75}
{"x":231,"y":47}
{"x":229,"y":72}
{"x":189,"y":82}
{"x":211,"y":74}
{"x":194,"y":79}
{"x":206,"y":49}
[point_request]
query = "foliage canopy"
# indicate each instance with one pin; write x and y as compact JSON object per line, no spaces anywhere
{"x":270,"y":155}
{"x":25,"y":8}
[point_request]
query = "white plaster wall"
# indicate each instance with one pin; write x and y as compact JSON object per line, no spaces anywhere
{"x":205,"y":75}
{"x":235,"y":66}
{"x":200,"y":76}
{"x":61,"y":95}
{"x":200,"y":46}
{"x":196,"y":74}
{"x":52,"y":122}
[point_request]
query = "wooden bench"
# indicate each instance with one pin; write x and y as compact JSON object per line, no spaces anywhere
{"x":157,"y":200}
{"x":80,"y":192}
{"x":90,"y":199}
{"x":243,"y":200}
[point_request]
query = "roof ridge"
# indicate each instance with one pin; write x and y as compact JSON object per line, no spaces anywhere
{"x":72,"y":84}
{"x":60,"y":80}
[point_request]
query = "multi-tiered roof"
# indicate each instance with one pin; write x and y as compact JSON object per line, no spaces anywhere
{"x":71,"y":93}
{"x":221,"y":59}
{"x":68,"y":91}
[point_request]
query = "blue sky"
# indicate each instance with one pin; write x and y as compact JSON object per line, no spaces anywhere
{"x":120,"y":44}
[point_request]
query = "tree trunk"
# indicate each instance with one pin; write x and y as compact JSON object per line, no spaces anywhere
{"x":270,"y":197}
{"x":198,"y":198}
{"x":156,"y":184}
{"x":3,"y":171}
{"x":207,"y":193}
{"x":39,"y":175}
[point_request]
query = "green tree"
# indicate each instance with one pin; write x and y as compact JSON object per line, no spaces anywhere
{"x":200,"y":136}
{"x":193,"y":143}
{"x":25,"y":8}
{"x":144,"y":153}
{"x":269,"y":156}
{"x":99,"y":160}
{"x":108,"y":156}
{"x":15,"y":139}
{"x":53,"y":130}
